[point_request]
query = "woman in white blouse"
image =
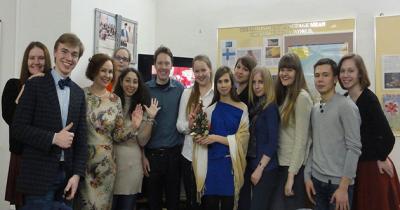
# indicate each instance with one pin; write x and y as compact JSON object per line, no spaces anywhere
{"x":201,"y":90}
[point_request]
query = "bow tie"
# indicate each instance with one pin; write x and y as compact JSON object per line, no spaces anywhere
{"x":64,"y":82}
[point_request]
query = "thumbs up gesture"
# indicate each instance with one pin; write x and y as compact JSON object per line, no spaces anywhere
{"x":64,"y":138}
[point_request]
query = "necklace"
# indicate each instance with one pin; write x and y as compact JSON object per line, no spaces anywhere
{"x":98,"y":95}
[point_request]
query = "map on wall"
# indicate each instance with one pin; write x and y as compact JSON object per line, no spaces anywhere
{"x":310,"y":54}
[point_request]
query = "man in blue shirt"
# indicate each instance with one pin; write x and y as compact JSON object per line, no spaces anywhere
{"x":164,"y":148}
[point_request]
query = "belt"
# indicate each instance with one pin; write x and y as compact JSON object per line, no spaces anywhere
{"x":164,"y":151}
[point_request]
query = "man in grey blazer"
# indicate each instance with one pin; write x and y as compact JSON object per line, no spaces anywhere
{"x":50,"y":121}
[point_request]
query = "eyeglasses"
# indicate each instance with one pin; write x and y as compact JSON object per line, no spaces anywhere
{"x":119,"y":58}
{"x":321,"y":107}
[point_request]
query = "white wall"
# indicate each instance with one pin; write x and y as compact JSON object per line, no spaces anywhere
{"x":82,"y":23}
{"x":24,"y":21}
{"x":190,"y":28}
{"x":187,"y":27}
{"x":7,"y":51}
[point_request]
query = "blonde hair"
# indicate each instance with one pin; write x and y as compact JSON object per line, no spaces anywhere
{"x":269,"y":90}
{"x":195,"y":93}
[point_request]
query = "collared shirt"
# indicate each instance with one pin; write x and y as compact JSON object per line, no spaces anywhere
{"x":63,"y":100}
{"x":183,"y":124}
{"x":164,"y":132}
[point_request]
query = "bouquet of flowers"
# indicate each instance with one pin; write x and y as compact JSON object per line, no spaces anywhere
{"x":200,"y":122}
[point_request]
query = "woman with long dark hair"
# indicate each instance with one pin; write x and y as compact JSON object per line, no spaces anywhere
{"x":295,"y":104}
{"x":36,"y":62}
{"x":220,"y":157}
{"x":243,"y":67}
{"x":134,"y":97}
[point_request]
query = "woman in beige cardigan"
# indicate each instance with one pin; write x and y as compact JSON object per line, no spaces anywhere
{"x":295,"y":105}
{"x":135,"y":98}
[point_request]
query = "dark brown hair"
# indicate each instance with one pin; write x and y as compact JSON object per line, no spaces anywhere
{"x":165,"y":50}
{"x":141,"y":96}
{"x":247,"y":61}
{"x":95,"y":63}
{"x":24,"y":74}
{"x":290,"y":61}
{"x":220,"y":72}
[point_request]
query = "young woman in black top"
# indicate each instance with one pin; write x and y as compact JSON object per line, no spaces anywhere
{"x":377,"y":185}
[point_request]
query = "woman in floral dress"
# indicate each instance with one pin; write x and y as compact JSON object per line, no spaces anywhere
{"x":104,"y":126}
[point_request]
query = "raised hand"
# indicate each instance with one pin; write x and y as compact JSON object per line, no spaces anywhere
{"x":137,"y":116}
{"x":64,"y":138}
{"x":153,"y":109}
{"x":194,"y":109}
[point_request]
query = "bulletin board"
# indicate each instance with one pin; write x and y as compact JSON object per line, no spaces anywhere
{"x":387,"y":67}
{"x":268,"y":43}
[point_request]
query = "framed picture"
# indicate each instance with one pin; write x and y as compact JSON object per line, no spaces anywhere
{"x":128,"y":36}
{"x":105,"y":31}
{"x":112,"y":31}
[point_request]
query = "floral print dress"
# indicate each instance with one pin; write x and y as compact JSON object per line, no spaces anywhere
{"x":105,"y":125}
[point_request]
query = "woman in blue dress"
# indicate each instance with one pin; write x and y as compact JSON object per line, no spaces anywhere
{"x":220,"y":157}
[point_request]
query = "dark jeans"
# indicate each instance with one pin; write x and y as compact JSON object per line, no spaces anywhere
{"x":124,"y":202}
{"x":261,"y":195}
{"x":280,"y":200}
{"x":189,"y":184}
{"x":263,"y":191}
{"x":245,"y":192}
{"x":53,"y":197}
{"x":324,"y":192}
{"x":216,"y":202}
{"x":164,"y":177}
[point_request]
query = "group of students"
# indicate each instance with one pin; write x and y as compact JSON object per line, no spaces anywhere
{"x":268,"y":145}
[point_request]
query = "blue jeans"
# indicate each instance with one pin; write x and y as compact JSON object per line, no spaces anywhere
{"x":48,"y":200}
{"x":324,"y":192}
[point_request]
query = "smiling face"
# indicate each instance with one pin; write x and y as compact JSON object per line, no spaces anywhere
{"x":130,"y":84}
{"x":66,"y":58}
{"x":349,"y":75}
{"x":121,"y":59}
{"x":105,"y":74}
{"x":224,"y":85}
{"x":287,"y":76}
{"x":163,"y":67}
{"x":241,"y":73}
{"x":202,"y":73}
{"x":36,"y":61}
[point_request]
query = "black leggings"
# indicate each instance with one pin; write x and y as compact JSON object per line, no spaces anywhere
{"x":216,"y":202}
